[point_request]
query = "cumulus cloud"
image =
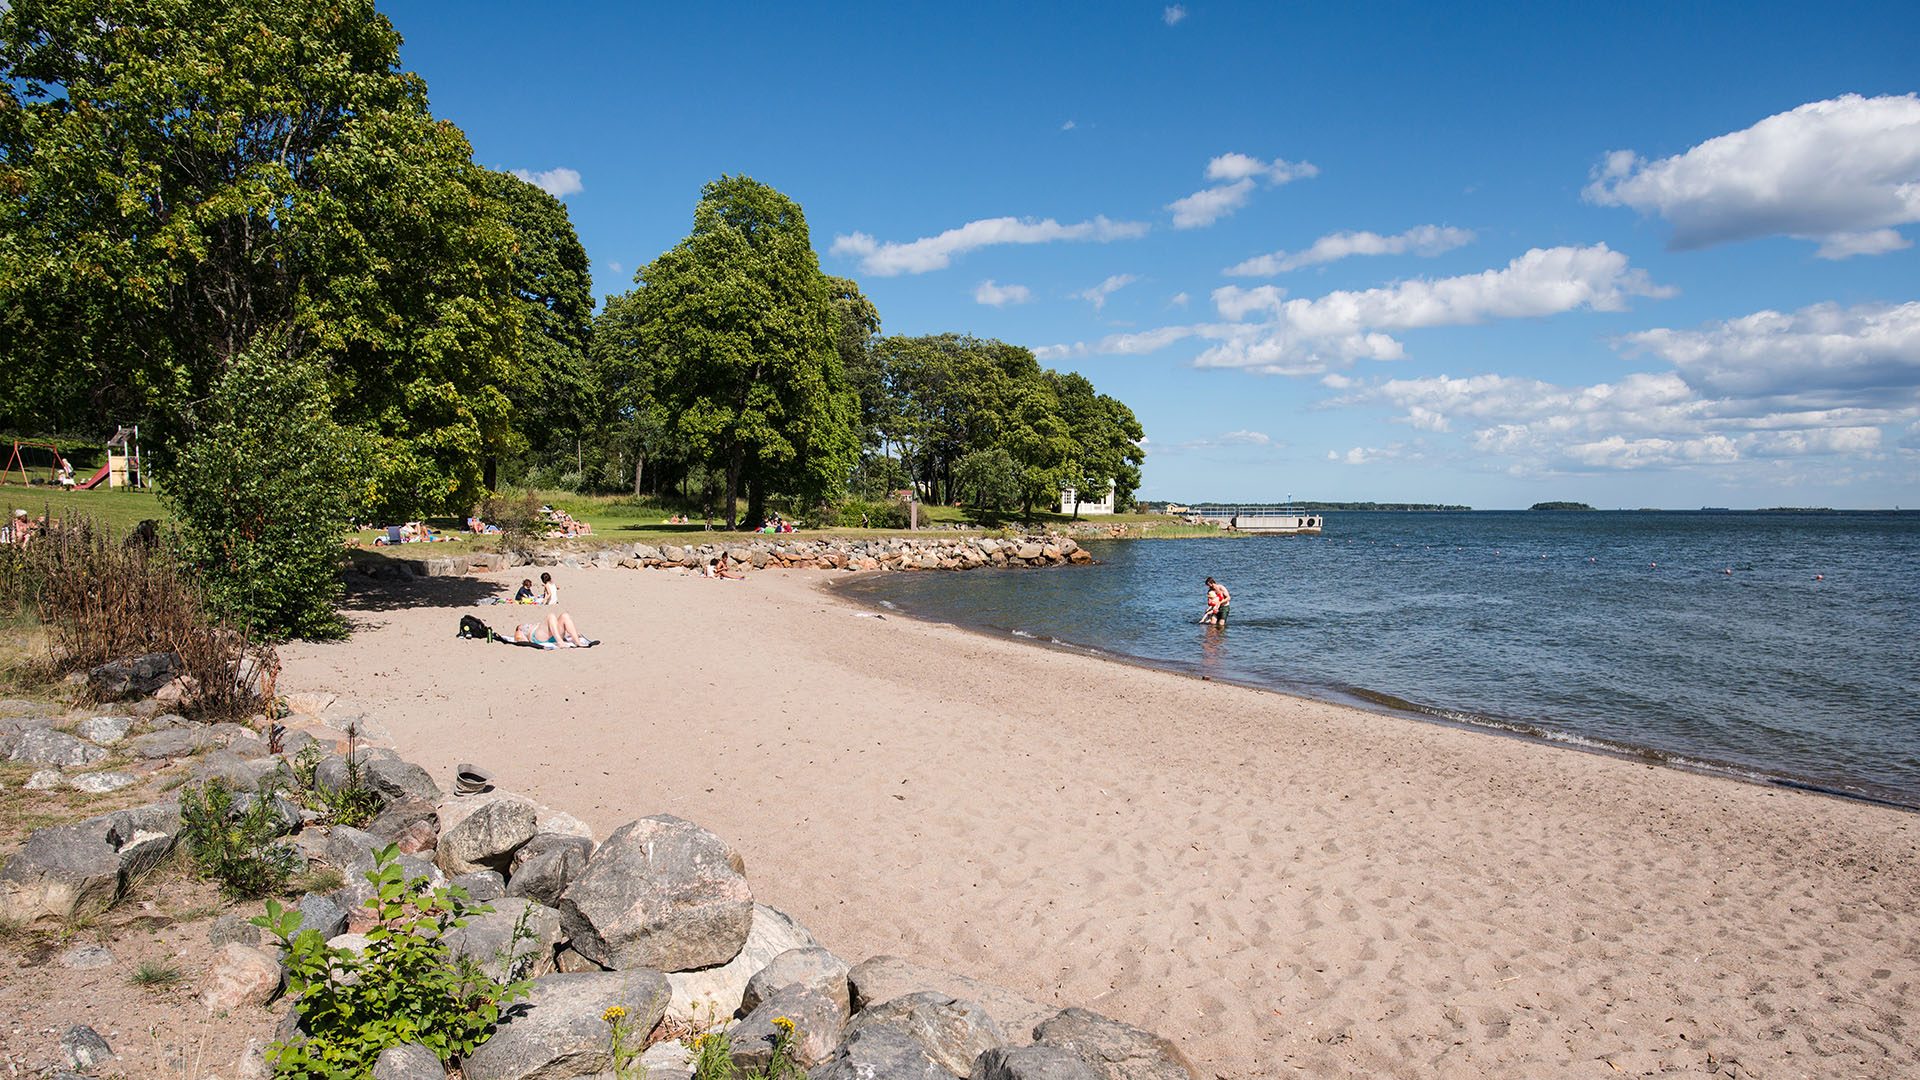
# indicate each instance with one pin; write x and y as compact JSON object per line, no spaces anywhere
{"x":891,"y":258}
{"x":1097,"y":295}
{"x":615,"y":266}
{"x":1179,"y":300}
{"x":1843,"y":171}
{"x":1303,"y":336}
{"x":1423,"y":240}
{"x":558,"y":183}
{"x":1174,"y":14}
{"x":1235,"y":176}
{"x":1245,"y":438}
{"x":1824,"y":355}
{"x":996,"y":295}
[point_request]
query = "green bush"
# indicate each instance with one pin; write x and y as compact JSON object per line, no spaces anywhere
{"x":354,"y":804}
{"x":860,"y":513}
{"x":405,"y":987}
{"x":234,"y":846}
{"x":263,"y":490}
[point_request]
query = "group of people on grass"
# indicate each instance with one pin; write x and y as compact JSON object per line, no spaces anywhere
{"x":21,"y":527}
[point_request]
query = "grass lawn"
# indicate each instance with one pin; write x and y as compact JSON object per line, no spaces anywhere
{"x":122,"y":508}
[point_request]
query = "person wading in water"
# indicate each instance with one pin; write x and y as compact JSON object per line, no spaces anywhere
{"x":1217,"y":600}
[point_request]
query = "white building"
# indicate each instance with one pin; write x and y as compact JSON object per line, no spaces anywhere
{"x":1104,"y":506}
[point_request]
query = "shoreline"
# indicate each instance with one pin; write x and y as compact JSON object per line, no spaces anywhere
{"x":1277,"y":883}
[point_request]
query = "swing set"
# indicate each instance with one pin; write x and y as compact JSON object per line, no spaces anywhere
{"x":123,"y":468}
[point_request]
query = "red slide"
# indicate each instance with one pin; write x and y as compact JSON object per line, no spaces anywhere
{"x":94,"y":479}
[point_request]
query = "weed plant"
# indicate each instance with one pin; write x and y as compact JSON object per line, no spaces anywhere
{"x":155,"y":975}
{"x":233,"y":845}
{"x":713,"y":1055}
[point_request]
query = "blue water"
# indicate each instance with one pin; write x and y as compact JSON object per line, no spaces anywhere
{"x":1622,"y":631}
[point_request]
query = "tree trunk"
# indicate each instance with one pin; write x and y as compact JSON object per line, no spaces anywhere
{"x":734,"y":461}
{"x":756,"y":503}
{"x":639,"y":468}
{"x":492,"y":473}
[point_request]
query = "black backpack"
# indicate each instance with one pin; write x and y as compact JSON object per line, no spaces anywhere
{"x":471,"y":627}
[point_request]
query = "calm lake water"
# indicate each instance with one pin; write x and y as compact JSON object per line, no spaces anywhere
{"x":1622,"y":631}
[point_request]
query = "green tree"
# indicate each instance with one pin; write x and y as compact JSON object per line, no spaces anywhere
{"x":1106,"y":440}
{"x":185,"y":178}
{"x":736,"y":329}
{"x":263,"y":491}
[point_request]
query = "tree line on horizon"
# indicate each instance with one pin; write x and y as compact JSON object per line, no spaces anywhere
{"x":222,"y":212}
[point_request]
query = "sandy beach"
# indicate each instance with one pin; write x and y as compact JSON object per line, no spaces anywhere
{"x":1285,"y":887}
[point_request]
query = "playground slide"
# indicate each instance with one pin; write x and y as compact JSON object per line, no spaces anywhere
{"x":94,"y":479}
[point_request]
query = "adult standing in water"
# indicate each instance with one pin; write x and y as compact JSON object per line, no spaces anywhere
{"x":1217,"y":600}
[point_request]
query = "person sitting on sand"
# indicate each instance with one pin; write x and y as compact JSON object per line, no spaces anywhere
{"x":1217,"y":600}
{"x":549,"y":592}
{"x":556,"y":631}
{"x":525,"y":594}
{"x":717,"y":568}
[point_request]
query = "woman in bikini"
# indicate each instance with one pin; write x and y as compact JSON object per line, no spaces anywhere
{"x":556,"y":631}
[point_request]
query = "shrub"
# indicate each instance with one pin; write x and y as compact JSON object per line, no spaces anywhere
{"x":263,"y":490}
{"x":407,"y":986}
{"x":713,"y":1056}
{"x":518,"y":516}
{"x":860,"y":513}
{"x":353,"y":804}
{"x":234,"y":845}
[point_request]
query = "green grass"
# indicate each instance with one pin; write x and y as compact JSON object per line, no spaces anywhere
{"x":122,"y":508}
{"x":155,"y":975}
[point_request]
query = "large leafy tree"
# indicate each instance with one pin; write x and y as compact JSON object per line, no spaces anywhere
{"x":181,"y":179}
{"x":1105,"y":437}
{"x":735,"y":329}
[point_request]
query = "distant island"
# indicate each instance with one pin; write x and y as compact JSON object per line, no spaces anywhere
{"x":1559,"y":506}
{"x":1164,"y":507}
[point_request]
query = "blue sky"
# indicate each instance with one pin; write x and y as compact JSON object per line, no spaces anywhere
{"x":1633,"y":255}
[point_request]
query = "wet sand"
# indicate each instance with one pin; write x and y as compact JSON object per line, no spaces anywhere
{"x":1283,"y":886}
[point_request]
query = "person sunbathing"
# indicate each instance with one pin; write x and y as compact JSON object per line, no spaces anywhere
{"x":556,"y":631}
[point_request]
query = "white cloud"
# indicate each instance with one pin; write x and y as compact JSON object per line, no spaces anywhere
{"x":1234,"y":175}
{"x":1821,"y":356}
{"x":1424,"y":240}
{"x":558,"y":183}
{"x":1174,"y":14}
{"x":1246,"y":438}
{"x":1068,"y":126}
{"x":1179,"y":300}
{"x":996,"y":295}
{"x":1308,"y":336}
{"x":1097,"y":295}
{"x":937,"y":252}
{"x":1843,"y":171}
{"x":615,"y":267}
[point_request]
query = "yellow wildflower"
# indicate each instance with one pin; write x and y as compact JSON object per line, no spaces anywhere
{"x":784,"y":1024}
{"x":614,"y":1014}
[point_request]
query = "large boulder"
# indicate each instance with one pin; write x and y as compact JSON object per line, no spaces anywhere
{"x":491,"y":941}
{"x":45,"y":746}
{"x":817,"y":1022}
{"x":482,"y":831}
{"x":104,"y":730}
{"x":241,"y":773}
{"x":395,"y":780}
{"x":880,"y":1053}
{"x":1038,"y":1062}
{"x":883,"y":978}
{"x":719,"y":991}
{"x":408,"y":1061}
{"x":169,"y":743}
{"x":810,"y":966}
{"x":243,"y":975}
{"x":404,"y":818}
{"x":1115,"y":1051}
{"x":134,"y":677}
{"x":335,"y":772}
{"x":661,"y":893}
{"x":545,"y":865}
{"x":66,"y":870}
{"x":953,"y":1031}
{"x":560,"y":1029}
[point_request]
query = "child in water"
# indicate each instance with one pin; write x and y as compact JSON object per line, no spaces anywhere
{"x":1217,"y":600}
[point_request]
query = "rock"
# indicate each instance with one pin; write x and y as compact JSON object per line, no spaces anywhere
{"x":233,"y":929}
{"x":545,"y":865}
{"x":45,"y":746}
{"x":673,"y":554}
{"x":880,"y":1053}
{"x":292,"y":742}
{"x":817,"y":1023}
{"x":668,"y":1060}
{"x":333,"y":774}
{"x":310,"y":703}
{"x":84,"y":1048}
{"x":103,"y":783}
{"x":356,"y":942}
{"x":46,"y":780}
{"x":169,"y":743}
{"x":134,"y":677}
{"x":548,"y":820}
{"x":66,"y":870}
{"x":348,"y":846}
{"x":84,"y":958}
{"x":953,"y":1031}
{"x":883,"y":978}
{"x":104,"y":730}
{"x":242,"y":975}
{"x":395,"y":780}
{"x":282,"y":812}
{"x":1040,"y":1062}
{"x":158,"y":720}
{"x":482,"y":886}
{"x":408,"y":1061}
{"x":810,"y":966}
{"x":1114,"y":1050}
{"x":420,"y":838}
{"x":241,"y":773}
{"x":252,"y":1062}
{"x":569,"y":961}
{"x":400,"y":819}
{"x":481,"y":831}
{"x":322,"y":915}
{"x":719,"y":991}
{"x":661,"y":893}
{"x":558,"y":1030}
{"x":645,"y":551}
{"x":489,"y":940}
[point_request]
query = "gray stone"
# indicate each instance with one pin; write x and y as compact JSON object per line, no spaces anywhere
{"x":1115,"y":1051}
{"x":241,"y":976}
{"x":395,"y":779}
{"x":292,"y":742}
{"x":558,"y":1031}
{"x":810,"y":966}
{"x":348,"y":846}
{"x":104,"y":730}
{"x":408,"y":1061}
{"x":45,"y":746}
{"x":133,"y":677}
{"x":283,"y":812}
{"x":240,"y":773}
{"x":817,"y":1023}
{"x":570,"y":961}
{"x":481,"y":885}
{"x":335,"y":773}
{"x":400,"y":816}
{"x":46,"y":780}
{"x":481,"y":831}
{"x":158,"y":720}
{"x":84,"y":1048}
{"x":84,"y":957}
{"x":229,"y":929}
{"x":169,"y":743}
{"x":103,"y":783}
{"x":66,"y":870}
{"x":1041,"y":1062}
{"x":880,"y":1053}
{"x":546,"y":865}
{"x":667,"y":1060}
{"x":883,"y":978}
{"x":719,"y":991}
{"x":322,"y":915}
{"x":661,"y":893}
{"x":953,"y":1031}
{"x":490,"y":940}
